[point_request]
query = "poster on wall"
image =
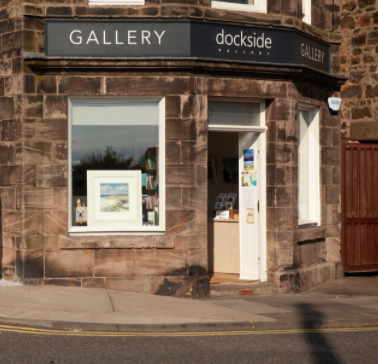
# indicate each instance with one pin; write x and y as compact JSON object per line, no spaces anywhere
{"x":250,"y":216}
{"x":249,"y":198}
{"x":249,"y":162}
{"x":114,"y":198}
{"x":249,"y":179}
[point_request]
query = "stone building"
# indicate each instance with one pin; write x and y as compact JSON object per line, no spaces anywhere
{"x":359,"y":129}
{"x":125,"y":129}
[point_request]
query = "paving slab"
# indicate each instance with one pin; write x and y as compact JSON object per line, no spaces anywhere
{"x":67,"y":298}
{"x":73,"y":308}
{"x":114,"y":307}
{"x":248,"y":306}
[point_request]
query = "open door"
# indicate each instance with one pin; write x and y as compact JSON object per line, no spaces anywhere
{"x":237,"y":241}
{"x":249,"y":205}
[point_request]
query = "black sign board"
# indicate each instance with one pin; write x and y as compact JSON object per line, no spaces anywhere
{"x":183,"y":39}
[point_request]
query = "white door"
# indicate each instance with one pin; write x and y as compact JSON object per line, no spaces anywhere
{"x":249,"y":204}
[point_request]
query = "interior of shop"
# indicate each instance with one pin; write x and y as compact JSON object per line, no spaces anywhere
{"x":223,"y":206}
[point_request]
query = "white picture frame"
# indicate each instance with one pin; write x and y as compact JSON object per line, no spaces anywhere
{"x":114,"y":198}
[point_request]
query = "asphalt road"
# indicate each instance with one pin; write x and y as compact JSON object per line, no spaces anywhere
{"x":334,"y":346}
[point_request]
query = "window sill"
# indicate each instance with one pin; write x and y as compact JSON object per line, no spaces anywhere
{"x":312,"y":233}
{"x":116,"y":241}
{"x":116,"y":3}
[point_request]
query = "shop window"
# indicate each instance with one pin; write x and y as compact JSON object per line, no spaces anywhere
{"x":308,"y":159}
{"x":116,"y":165}
{"x":257,"y":6}
{"x":115,"y":2}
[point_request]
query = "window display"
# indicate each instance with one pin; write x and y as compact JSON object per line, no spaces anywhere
{"x":115,"y":164}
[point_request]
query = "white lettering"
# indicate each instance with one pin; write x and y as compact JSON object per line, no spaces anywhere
{"x":312,"y":53}
{"x":117,"y":38}
{"x":242,"y":40}
{"x":159,"y":36}
{"x":261,"y":38}
{"x":80,"y":39}
{"x":130,"y":37}
{"x":229,"y":36}
{"x":94,"y":39}
{"x":105,"y":42}
{"x":237,"y":44}
{"x":222,"y":37}
{"x":145,"y":35}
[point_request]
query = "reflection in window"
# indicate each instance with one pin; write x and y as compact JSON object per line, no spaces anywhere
{"x":308,"y":164}
{"x":115,"y":136}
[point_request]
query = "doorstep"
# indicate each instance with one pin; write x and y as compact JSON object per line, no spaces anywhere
{"x":242,"y":289}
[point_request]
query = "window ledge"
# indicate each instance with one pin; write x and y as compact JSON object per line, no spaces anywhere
{"x":313,"y":233}
{"x":116,"y":242}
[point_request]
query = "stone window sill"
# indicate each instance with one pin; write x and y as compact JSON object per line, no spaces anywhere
{"x":312,"y":233}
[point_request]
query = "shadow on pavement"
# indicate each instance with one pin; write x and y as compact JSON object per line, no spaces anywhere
{"x":321,"y":350}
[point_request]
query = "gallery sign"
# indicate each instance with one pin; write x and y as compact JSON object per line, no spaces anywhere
{"x":183,"y":39}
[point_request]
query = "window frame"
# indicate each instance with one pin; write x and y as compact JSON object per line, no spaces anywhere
{"x":313,"y":162}
{"x":257,"y":128}
{"x":261,"y":7}
{"x":104,"y":230}
{"x":306,"y":9}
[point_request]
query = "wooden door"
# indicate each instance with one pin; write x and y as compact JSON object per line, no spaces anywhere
{"x":360,"y":207}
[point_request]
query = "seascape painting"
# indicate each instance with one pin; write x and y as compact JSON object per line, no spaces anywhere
{"x":114,"y":197}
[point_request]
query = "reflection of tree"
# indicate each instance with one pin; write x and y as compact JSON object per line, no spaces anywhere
{"x":109,"y":160}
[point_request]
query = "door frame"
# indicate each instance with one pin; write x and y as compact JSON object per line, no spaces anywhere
{"x":261,"y":130}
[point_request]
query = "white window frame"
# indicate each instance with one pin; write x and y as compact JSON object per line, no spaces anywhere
{"x":115,"y":2}
{"x":306,"y":9}
{"x":260,"y":7}
{"x":314,"y":166}
{"x":104,"y":230}
{"x":231,"y":127}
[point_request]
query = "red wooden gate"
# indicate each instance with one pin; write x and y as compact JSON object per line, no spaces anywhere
{"x":359,"y":207}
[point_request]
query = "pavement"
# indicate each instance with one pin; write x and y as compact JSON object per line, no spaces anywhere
{"x":349,"y":302}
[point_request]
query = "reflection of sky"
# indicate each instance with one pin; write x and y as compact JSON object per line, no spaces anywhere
{"x":111,"y":189}
{"x":134,"y":140}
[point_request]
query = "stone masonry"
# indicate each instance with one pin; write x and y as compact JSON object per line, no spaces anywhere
{"x":359,"y":60}
{"x":35,"y":245}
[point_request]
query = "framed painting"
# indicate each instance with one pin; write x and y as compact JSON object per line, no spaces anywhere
{"x":114,"y":198}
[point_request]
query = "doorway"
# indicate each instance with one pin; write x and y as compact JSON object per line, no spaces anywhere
{"x":236,"y":169}
{"x":234,"y":240}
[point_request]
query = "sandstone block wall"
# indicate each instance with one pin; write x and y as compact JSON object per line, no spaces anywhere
{"x":35,"y":246}
{"x":359,"y":49}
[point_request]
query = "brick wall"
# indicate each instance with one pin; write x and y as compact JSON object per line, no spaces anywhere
{"x":359,"y":62}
